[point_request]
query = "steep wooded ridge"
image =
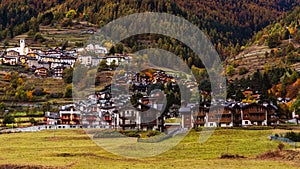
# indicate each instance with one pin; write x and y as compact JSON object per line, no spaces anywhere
{"x":269,"y":62}
{"x":17,"y":17}
{"x":227,"y":23}
{"x":277,"y":45}
{"x":235,"y":21}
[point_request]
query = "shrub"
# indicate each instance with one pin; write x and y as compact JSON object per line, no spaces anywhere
{"x":8,"y":119}
{"x":39,"y":37}
{"x":273,"y":40}
{"x":243,"y":71}
{"x":229,"y":156}
{"x":230,"y":70}
{"x":38,"y":92}
{"x":68,"y":91}
{"x":280,"y":146}
{"x":293,"y":136}
{"x":130,"y":133}
{"x":56,"y":95}
{"x":153,"y":133}
{"x":108,"y":134}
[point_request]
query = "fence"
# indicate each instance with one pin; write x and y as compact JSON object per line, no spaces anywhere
{"x":282,"y":139}
{"x":39,"y":128}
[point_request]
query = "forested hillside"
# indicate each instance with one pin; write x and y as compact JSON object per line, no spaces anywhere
{"x":228,"y":23}
{"x":17,"y":17}
{"x":277,"y":45}
{"x":270,"y":61}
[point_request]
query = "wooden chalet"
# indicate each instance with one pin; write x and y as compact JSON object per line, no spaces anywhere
{"x":220,"y":116}
{"x":199,"y":115}
{"x":139,"y":117}
{"x":68,"y":115}
{"x":41,"y":72}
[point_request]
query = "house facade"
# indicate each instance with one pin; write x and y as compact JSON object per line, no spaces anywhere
{"x":41,"y":72}
{"x":199,"y":115}
{"x":220,"y":116}
{"x":186,"y":117}
{"x":69,"y":115}
{"x":52,"y":118}
{"x":235,"y":115}
{"x":139,"y":117}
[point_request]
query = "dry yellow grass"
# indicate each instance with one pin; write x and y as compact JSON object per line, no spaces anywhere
{"x":74,"y":149}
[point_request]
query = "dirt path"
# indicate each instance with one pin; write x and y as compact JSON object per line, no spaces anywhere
{"x":292,"y":156}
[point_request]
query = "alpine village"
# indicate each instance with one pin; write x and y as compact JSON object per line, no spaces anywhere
{"x":58,"y":86}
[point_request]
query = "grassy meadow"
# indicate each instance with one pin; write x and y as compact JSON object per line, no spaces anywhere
{"x":75,"y":149}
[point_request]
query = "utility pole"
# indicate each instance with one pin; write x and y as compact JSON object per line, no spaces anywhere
{"x":54,"y":129}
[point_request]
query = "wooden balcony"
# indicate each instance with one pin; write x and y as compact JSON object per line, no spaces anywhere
{"x":149,"y":124}
{"x":199,"y":122}
{"x":107,"y":118}
{"x":221,"y":120}
{"x":128,"y":125}
{"x":199,"y":114}
{"x":257,"y":118}
{"x":225,"y":120}
{"x":76,"y":118}
{"x":255,"y":112}
{"x":65,"y":118}
{"x":273,"y":119}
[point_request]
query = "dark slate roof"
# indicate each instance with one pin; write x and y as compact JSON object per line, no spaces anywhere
{"x":160,"y":107}
{"x":52,"y":115}
{"x":184,"y":110}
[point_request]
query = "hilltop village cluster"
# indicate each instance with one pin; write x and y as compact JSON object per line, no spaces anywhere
{"x":105,"y":110}
{"x":52,"y":62}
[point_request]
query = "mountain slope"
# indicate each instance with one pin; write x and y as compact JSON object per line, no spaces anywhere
{"x":272,"y":57}
{"x":277,"y":45}
{"x":226,"y":22}
{"x":237,"y":19}
{"x":17,"y":17}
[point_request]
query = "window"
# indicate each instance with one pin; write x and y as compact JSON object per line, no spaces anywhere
{"x":246,"y":122}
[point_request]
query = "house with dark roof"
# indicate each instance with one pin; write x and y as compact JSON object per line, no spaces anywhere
{"x":255,"y":114}
{"x":41,"y":72}
{"x":235,"y":115}
{"x":220,"y":116}
{"x":10,"y":60}
{"x":58,"y":72}
{"x":52,"y":118}
{"x":69,"y":115}
{"x":186,"y":116}
{"x":32,"y":62}
{"x":199,"y":115}
{"x":90,"y":116}
{"x":139,"y":117}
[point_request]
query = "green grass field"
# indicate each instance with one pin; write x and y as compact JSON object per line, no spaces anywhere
{"x":74,"y":149}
